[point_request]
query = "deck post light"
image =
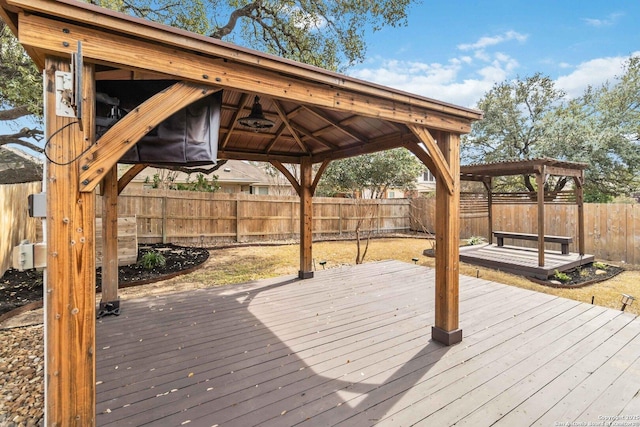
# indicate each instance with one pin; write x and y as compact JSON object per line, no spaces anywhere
{"x":626,"y":300}
{"x":256,"y":119}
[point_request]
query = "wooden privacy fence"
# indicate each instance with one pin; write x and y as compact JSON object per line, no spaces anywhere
{"x":612,"y":230}
{"x":185,"y":217}
{"x":15,"y":223}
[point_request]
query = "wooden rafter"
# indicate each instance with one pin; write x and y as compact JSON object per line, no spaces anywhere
{"x":244,"y":99}
{"x":379,"y":144}
{"x":132,"y":127}
{"x":275,"y":138}
{"x":283,"y":116}
{"x":333,"y":124}
{"x":308,"y":135}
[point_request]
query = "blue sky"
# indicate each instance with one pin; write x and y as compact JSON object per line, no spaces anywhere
{"x":455,"y":50}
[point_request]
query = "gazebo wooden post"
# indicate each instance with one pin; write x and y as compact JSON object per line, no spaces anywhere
{"x":446,"y":328}
{"x":70,"y":284}
{"x":540,"y":180}
{"x":306,"y":219}
{"x":109,"y":302}
{"x":579,"y":184}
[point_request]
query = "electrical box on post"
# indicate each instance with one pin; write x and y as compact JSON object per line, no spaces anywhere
{"x":37,"y":205}
{"x":64,"y":94}
{"x":27,"y":256}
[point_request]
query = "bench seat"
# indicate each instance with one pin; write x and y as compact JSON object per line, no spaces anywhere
{"x":563,"y":240}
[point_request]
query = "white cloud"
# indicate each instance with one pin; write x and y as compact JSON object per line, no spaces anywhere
{"x":591,"y":73}
{"x":485,"y":42}
{"x":441,"y":81}
{"x":606,"y":22}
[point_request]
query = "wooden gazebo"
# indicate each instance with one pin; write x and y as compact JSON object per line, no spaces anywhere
{"x":542,"y":169}
{"x":318,"y":116}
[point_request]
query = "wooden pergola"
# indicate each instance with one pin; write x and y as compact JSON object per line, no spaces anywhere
{"x":319,"y":116}
{"x":541,"y":168}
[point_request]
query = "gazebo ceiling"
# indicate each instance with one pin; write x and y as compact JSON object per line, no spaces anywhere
{"x":316,"y":113}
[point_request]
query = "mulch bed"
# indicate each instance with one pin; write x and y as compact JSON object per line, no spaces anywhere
{"x":585,"y":275}
{"x":20,"y":288}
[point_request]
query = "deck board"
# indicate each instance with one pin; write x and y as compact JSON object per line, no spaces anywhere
{"x":352,"y":347}
{"x":522,"y":261}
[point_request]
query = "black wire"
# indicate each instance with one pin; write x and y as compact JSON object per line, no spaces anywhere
{"x":54,"y":134}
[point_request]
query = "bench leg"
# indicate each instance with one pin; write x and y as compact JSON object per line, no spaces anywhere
{"x":565,"y":248}
{"x":500,"y":241}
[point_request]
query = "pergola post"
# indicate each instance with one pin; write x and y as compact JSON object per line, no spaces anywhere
{"x":306,"y":219}
{"x":540,"y":180}
{"x":446,"y":329}
{"x":579,"y":184}
{"x":109,"y":303}
{"x":70,"y":279}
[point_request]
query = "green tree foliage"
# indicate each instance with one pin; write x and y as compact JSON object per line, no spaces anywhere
{"x":513,"y":125}
{"x":20,"y":91}
{"x":371,"y":174}
{"x":530,"y":118}
{"x":601,"y":128}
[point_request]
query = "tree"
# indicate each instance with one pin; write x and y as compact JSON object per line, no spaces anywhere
{"x":530,"y":118}
{"x":328,"y":34}
{"x":601,"y":128}
{"x":513,"y":124}
{"x":20,"y":93}
{"x":371,"y":175}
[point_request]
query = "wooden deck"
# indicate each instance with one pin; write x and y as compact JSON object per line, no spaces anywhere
{"x":521,"y":261}
{"x":351,"y":347}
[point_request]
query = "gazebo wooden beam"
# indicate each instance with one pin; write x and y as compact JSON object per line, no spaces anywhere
{"x":130,"y":52}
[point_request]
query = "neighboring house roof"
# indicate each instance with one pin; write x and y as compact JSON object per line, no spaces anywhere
{"x":232,"y":172}
{"x":17,"y":167}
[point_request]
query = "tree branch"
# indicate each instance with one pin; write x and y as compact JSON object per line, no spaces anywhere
{"x":17,"y":138}
{"x":244,"y":11}
{"x":14,"y":113}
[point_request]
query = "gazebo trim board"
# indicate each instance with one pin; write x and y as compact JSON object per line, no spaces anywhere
{"x":319,"y":116}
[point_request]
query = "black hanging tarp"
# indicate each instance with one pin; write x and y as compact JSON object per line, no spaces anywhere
{"x":187,"y":138}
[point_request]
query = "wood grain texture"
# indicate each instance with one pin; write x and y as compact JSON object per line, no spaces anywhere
{"x":350,"y":347}
{"x":70,"y":285}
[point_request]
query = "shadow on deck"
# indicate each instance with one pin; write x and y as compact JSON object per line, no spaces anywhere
{"x":521,"y":261}
{"x":351,"y":347}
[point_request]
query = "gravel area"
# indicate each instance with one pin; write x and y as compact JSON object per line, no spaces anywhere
{"x":22,"y":376}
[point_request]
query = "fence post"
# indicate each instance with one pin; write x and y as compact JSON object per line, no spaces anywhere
{"x":237,"y":220}
{"x":164,"y":218}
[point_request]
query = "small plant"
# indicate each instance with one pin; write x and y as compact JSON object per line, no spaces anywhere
{"x":600,"y":265}
{"x":152,"y":259}
{"x":475,"y":240}
{"x":563,"y":277}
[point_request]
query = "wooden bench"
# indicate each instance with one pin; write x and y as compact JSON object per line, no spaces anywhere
{"x":563,"y":240}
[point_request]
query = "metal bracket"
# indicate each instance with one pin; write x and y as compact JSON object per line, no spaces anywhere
{"x":108,"y":308}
